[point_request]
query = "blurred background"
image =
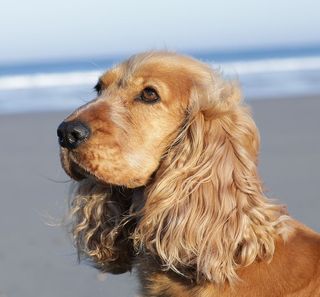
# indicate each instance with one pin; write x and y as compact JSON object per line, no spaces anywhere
{"x":51,"y":54}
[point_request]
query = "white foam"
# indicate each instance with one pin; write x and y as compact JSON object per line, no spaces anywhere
{"x":45,"y":80}
{"x":270,"y":65}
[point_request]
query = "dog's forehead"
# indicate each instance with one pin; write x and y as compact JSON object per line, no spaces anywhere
{"x":169,"y":68}
{"x":149,"y":73}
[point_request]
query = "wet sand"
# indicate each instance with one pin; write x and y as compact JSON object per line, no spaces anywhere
{"x":37,"y":259}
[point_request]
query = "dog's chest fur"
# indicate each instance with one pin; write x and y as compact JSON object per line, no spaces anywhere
{"x":287,"y":275}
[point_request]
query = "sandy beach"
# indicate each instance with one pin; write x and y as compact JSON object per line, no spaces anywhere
{"x":37,"y":258}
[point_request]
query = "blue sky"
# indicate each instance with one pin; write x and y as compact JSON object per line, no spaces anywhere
{"x":41,"y":30}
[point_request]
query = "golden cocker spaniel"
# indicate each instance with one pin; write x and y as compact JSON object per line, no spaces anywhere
{"x":165,"y":160}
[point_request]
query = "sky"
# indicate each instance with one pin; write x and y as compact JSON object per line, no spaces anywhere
{"x":36,"y":30}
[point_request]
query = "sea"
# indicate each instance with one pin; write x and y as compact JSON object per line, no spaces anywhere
{"x":264,"y":74}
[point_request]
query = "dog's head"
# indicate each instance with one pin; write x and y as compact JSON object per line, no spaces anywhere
{"x":172,"y":124}
{"x":141,"y":106}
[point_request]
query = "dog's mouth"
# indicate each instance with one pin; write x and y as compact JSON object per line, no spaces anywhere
{"x":77,"y":172}
{"x":74,"y":168}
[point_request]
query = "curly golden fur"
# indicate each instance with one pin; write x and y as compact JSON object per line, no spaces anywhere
{"x":171,"y":187}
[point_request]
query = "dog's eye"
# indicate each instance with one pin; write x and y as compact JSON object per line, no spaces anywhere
{"x":98,"y":88}
{"x":149,"y":95}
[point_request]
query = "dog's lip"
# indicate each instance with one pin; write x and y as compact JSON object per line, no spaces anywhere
{"x":75,"y":171}
{"x":79,"y":172}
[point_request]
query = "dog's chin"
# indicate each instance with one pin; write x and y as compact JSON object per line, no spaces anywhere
{"x":74,"y":169}
{"x":78,"y":171}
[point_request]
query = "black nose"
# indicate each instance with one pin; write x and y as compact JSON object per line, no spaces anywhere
{"x":72,"y":134}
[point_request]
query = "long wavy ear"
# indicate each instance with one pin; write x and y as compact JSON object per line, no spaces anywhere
{"x":205,"y":213}
{"x":99,"y":231}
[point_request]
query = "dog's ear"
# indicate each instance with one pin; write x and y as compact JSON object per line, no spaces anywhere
{"x":96,"y":224}
{"x":205,"y":213}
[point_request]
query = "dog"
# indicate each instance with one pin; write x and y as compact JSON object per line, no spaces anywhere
{"x":165,"y":164}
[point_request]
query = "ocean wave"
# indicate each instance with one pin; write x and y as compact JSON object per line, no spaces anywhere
{"x":271,"y":65}
{"x":235,"y":68}
{"x":46,"y":80}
